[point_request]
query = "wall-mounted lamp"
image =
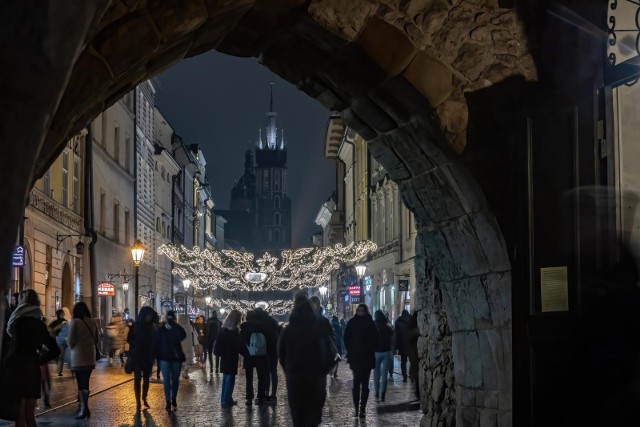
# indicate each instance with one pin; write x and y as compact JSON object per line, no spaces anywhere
{"x":61,"y":238}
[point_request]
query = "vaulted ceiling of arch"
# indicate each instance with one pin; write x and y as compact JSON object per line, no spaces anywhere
{"x":442,"y":47}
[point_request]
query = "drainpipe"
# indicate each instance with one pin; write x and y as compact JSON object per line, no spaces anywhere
{"x":173,"y":228}
{"x":88,"y":217}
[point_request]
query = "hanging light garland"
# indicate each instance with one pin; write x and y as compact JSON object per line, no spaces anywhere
{"x":274,"y":307}
{"x":233,"y":271}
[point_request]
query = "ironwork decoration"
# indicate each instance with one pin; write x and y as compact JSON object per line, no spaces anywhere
{"x":623,"y":40}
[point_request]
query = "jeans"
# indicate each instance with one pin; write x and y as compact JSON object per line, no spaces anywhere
{"x":170,"y":378}
{"x":380,"y":372}
{"x":82,"y":378}
{"x":262,"y":370}
{"x":272,"y":376}
{"x":228,"y":382}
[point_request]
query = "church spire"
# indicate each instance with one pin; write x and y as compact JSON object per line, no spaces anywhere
{"x":271,"y":132}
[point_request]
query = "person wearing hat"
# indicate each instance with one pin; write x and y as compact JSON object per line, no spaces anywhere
{"x":170,"y":354}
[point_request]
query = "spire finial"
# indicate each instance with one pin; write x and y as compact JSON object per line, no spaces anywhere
{"x":271,"y":99}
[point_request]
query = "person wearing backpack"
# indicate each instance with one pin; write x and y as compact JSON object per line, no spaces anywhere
{"x":253,"y":347}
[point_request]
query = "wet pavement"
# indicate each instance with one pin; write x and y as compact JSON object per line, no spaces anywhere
{"x":113,"y":403}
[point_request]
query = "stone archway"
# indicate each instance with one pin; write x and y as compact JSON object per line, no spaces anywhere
{"x":68,"y":291}
{"x":397,"y":72}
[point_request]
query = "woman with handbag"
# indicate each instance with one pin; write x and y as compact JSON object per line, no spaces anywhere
{"x":141,"y":339}
{"x":82,"y":341}
{"x":23,"y":357}
{"x":170,"y":354}
{"x":226,"y":347}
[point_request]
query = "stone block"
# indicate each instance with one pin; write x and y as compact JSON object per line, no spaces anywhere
{"x":388,"y":158}
{"x":466,"y":304}
{"x":505,"y":375}
{"x":487,"y":399}
{"x":467,"y":397}
{"x":467,"y":416}
{"x":387,"y":46}
{"x":464,"y":246}
{"x":488,"y":417}
{"x":371,"y":114}
{"x":400,"y":99}
{"x":498,"y":289}
{"x":431,"y":78}
{"x":492,"y":356}
{"x":357,"y":124}
{"x":465,"y":187}
{"x":345,"y":19}
{"x":505,"y":399}
{"x":467,"y":363}
{"x":491,"y":240}
{"x":175,"y":19}
{"x":437,"y":196}
{"x":505,"y":419}
{"x":439,"y":256}
{"x":406,"y":144}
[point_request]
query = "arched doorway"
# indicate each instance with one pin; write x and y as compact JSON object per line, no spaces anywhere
{"x":68,"y":294}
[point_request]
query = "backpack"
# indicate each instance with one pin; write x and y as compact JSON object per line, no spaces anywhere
{"x":257,"y":344}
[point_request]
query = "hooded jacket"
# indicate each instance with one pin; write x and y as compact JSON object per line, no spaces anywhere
{"x":360,"y":339}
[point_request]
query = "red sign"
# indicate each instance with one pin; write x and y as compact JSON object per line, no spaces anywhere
{"x":354,"y":290}
{"x":106,"y":289}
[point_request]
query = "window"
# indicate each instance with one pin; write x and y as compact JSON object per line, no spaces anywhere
{"x":276,"y":236}
{"x":116,"y":143}
{"x":163,"y":229}
{"x":276,"y":180}
{"x":127,"y":227}
{"x":103,"y":211}
{"x":266,"y":180}
{"x":276,"y":202}
{"x":158,"y":225}
{"x":270,"y":235}
{"x":46,"y":183}
{"x":162,"y":172}
{"x":103,"y":137}
{"x":276,"y":218}
{"x":116,"y":222}
{"x":127,"y":153}
{"x":65,"y":178}
{"x":168,"y":231}
{"x":76,"y":185}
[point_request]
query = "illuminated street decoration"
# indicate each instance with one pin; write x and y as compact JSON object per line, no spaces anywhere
{"x":275,"y":307}
{"x":233,"y":271}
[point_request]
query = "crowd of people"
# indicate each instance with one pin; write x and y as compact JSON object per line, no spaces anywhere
{"x":309,"y":348}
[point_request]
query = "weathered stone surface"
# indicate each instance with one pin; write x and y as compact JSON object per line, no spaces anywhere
{"x":463,"y":246}
{"x":431,"y":78}
{"x":487,"y":399}
{"x":492,"y":359}
{"x":491,"y":241}
{"x":440,"y":256}
{"x":488,"y":417}
{"x":436,"y":196}
{"x":469,"y":309}
{"x":387,"y":46}
{"x":467,"y":360}
{"x":498,"y":290}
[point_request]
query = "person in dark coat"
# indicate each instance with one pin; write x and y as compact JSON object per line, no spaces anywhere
{"x":360,"y":339}
{"x":212,"y":328}
{"x":384,"y":347}
{"x":402,"y":345}
{"x":259,"y":362}
{"x":30,"y":345}
{"x":299,"y":352}
{"x":169,"y":354}
{"x":272,"y":332}
{"x":226,"y":347}
{"x":141,"y":339}
{"x":339,"y":341}
{"x":82,"y":340}
{"x":411,"y":335}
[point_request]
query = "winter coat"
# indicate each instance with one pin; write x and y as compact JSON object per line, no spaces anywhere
{"x":212,"y":328}
{"x":190,"y":341}
{"x":339,"y":341}
{"x":412,"y":334}
{"x":82,"y":340}
{"x":63,"y":333}
{"x":200,"y":330}
{"x":24,"y":355}
{"x":360,"y":339}
{"x":402,"y":345}
{"x":272,"y":331}
{"x":226,"y":347}
{"x":116,"y":333}
{"x":168,"y":342}
{"x":385,"y":338}
{"x":141,"y":339}
{"x":246,"y":329}
{"x":299,"y":353}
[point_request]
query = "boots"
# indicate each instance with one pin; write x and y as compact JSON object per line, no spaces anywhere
{"x":84,"y":411}
{"x":382,"y":397}
{"x":145,"y":391}
{"x":363,"y":402}
{"x":136,"y":390}
{"x":356,"y":399}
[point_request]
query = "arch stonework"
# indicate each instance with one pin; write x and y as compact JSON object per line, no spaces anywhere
{"x":397,"y":71}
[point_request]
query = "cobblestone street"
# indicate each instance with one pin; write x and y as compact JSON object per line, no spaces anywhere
{"x":199,"y":403}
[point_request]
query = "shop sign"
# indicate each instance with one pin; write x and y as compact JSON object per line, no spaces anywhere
{"x":18,"y":256}
{"x":344,"y":292}
{"x":354,"y":290}
{"x":403,"y":285}
{"x":356,"y":299}
{"x":106,"y":289}
{"x":166,"y":303}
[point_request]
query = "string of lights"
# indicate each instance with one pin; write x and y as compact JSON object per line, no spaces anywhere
{"x":274,"y":307}
{"x":233,"y":271}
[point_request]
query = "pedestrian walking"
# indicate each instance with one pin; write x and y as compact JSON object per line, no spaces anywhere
{"x":299,"y":350}
{"x":82,"y":340}
{"x":200,"y":329}
{"x":117,"y":338}
{"x":226,"y":347}
{"x":339,"y":342}
{"x":401,"y":342}
{"x":212,"y":329}
{"x":412,"y":334}
{"x":60,"y":330}
{"x":384,"y":346}
{"x":141,"y":339}
{"x":188,"y":344}
{"x":30,"y":345}
{"x":272,"y":331}
{"x":169,"y":353}
{"x":253,"y":347}
{"x":360,"y":339}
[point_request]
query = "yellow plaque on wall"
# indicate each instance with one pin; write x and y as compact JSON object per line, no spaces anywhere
{"x":554,"y":289}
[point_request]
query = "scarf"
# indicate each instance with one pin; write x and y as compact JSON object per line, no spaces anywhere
{"x":23,"y":310}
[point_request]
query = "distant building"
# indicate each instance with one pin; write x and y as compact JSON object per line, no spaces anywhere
{"x":259,"y":217}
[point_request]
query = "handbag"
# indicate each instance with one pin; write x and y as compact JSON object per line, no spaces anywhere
{"x":128,"y":365}
{"x":98,"y":353}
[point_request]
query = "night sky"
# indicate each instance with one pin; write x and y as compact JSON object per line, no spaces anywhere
{"x":220,"y":102}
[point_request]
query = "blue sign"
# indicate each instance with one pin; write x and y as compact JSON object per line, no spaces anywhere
{"x":18,"y":257}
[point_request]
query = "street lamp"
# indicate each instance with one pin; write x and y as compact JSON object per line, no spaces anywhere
{"x":186,"y":283}
{"x":207,"y":299}
{"x":361,"y":269}
{"x":323,"y":291}
{"x":137,"y":252}
{"x":222,"y":311}
{"x":125,"y":288}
